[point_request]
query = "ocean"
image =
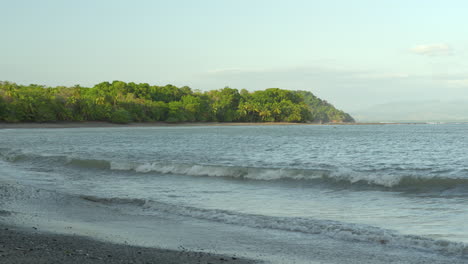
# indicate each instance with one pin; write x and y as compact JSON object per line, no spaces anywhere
{"x":278,"y":193}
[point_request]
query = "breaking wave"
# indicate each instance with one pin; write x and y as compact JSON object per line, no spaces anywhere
{"x":11,"y":192}
{"x":270,"y":174}
{"x":342,"y":176}
{"x":333,"y":229}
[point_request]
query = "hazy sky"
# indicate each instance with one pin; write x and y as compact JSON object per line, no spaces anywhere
{"x":352,"y":53}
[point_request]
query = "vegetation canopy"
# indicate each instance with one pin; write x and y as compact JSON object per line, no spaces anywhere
{"x":121,"y":102}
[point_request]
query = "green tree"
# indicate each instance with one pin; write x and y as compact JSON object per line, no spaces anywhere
{"x":120,"y":116}
{"x":224,"y":104}
{"x":176,"y":112}
{"x":130,"y":102}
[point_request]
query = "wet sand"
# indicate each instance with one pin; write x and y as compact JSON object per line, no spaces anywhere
{"x":19,"y":245}
{"x":163,"y":124}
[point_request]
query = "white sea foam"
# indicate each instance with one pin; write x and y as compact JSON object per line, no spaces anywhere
{"x":13,"y":193}
{"x":382,"y":178}
{"x":342,"y":175}
{"x":333,"y":229}
{"x":387,"y":180}
{"x":222,"y":171}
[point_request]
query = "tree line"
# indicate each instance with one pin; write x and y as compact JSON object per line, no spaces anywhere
{"x":121,"y":102}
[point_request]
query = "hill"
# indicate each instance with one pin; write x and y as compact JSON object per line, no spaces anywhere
{"x":121,"y":102}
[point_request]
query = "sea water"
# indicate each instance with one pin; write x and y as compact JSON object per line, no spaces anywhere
{"x":284,"y":194}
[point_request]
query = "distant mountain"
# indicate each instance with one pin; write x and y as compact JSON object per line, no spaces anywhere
{"x":415,"y":111}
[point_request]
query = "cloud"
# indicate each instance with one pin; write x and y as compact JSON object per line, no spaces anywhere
{"x":283,"y":71}
{"x":348,"y":88}
{"x":459,"y":79}
{"x":459,"y":83}
{"x":432,"y":50}
{"x":232,"y":71}
{"x":451,"y":76}
{"x":306,"y":73}
{"x":384,"y":76}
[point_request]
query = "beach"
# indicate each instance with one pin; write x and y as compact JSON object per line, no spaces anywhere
{"x":23,"y":245}
{"x":4,"y":125}
{"x":208,"y":193}
{"x":91,"y":124}
{"x":197,"y":132}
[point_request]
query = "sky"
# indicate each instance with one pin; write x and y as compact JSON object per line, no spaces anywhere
{"x":354,"y":54}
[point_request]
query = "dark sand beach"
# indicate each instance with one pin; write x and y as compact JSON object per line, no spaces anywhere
{"x":22,"y":246}
{"x":158,"y":200}
{"x":163,"y":124}
{"x":145,"y":124}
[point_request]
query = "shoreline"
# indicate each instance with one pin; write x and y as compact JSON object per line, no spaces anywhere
{"x":92,"y":124}
{"x":20,"y":245}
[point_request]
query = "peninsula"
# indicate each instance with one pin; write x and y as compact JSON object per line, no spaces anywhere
{"x":121,"y":102}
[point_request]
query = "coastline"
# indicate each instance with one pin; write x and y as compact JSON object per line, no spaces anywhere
{"x":163,"y":124}
{"x":20,"y":245}
{"x":172,"y":224}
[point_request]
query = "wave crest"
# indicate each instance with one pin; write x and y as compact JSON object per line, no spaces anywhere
{"x":329,"y":228}
{"x":342,"y":176}
{"x":113,"y":201}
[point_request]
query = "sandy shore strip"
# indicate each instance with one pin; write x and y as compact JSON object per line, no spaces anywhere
{"x":143,"y":124}
{"x":163,"y":124}
{"x":18,"y":245}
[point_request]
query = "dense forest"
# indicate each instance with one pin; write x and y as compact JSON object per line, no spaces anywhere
{"x":121,"y":102}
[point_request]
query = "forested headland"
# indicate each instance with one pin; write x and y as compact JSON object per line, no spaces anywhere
{"x":120,"y":102}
